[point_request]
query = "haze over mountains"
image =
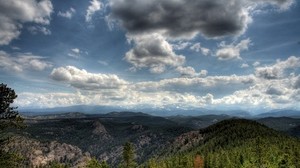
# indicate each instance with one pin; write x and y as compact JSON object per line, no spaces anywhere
{"x":161,"y":112}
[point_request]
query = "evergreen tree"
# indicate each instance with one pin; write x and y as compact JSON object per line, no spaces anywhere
{"x":95,"y":164}
{"x":8,"y":115}
{"x":7,"y":96}
{"x":128,"y":156}
{"x":8,"y":118}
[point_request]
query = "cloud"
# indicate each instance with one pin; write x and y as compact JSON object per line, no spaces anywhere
{"x":67,"y":14}
{"x":22,"y":61}
{"x":277,"y":70}
{"x":256,"y":63}
{"x":75,"y":53}
{"x":39,"y":29}
{"x":95,"y":5}
{"x":103,"y":63}
{"x":13,"y":14}
{"x":190,"y":72}
{"x":81,"y":79}
{"x":181,"y":45}
{"x":244,"y":65}
{"x":232,"y":51}
{"x":182,"y":19}
{"x":219,"y":85}
{"x":185,"y":19}
{"x":197,"y":47}
{"x":154,"y":52}
{"x":296,"y":84}
{"x":185,"y":92}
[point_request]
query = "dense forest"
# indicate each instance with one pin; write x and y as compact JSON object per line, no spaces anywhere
{"x":235,"y":143}
{"x":229,"y":143}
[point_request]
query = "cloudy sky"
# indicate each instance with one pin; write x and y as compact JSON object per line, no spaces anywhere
{"x":214,"y":54}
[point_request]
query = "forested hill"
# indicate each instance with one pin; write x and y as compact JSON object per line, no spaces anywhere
{"x":231,"y":143}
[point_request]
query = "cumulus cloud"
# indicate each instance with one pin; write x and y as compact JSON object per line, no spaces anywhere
{"x":67,"y":14}
{"x":185,"y":19}
{"x":22,"y":61}
{"x":277,"y":70}
{"x":197,"y":47}
{"x":232,"y":51}
{"x":220,"y":85}
{"x":13,"y":14}
{"x":154,"y":52}
{"x":182,"y":19}
{"x":81,"y":79}
{"x":193,"y":91}
{"x":95,"y":5}
{"x":190,"y":72}
{"x":39,"y":29}
{"x":264,"y":94}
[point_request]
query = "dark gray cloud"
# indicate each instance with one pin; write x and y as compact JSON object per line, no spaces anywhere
{"x":274,"y":91}
{"x":185,"y":18}
{"x":297,"y":83}
{"x":212,"y":18}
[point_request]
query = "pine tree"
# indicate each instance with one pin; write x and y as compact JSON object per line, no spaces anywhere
{"x":7,"y":96}
{"x":9,"y":116}
{"x":128,"y":156}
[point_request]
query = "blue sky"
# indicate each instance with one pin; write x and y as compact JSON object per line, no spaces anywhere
{"x":236,"y":54}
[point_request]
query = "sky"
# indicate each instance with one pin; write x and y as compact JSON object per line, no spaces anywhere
{"x":213,"y":54}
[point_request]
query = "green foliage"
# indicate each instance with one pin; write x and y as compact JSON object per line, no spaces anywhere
{"x":237,"y":143}
{"x":10,"y":160}
{"x":128,"y":156}
{"x":8,"y":115}
{"x":8,"y":118}
{"x":7,"y":96}
{"x":93,"y":163}
{"x":56,"y":165}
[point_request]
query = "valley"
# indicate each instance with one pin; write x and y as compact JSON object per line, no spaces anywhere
{"x":75,"y":138}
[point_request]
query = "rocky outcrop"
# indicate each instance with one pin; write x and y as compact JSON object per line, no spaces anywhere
{"x":187,"y":140}
{"x":100,"y":130}
{"x":38,"y":154}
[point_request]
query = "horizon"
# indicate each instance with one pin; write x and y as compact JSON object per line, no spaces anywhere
{"x":152,"y":55}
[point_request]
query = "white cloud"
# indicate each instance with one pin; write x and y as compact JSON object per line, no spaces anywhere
{"x":75,"y":53}
{"x":81,"y":79}
{"x":95,"y":5}
{"x":22,"y":61}
{"x":103,"y":63}
{"x":67,"y":14}
{"x":256,"y":63}
{"x":181,"y":45}
{"x":154,"y":52}
{"x":244,"y":65}
{"x":210,"y":91}
{"x":190,"y":72}
{"x":232,"y":51}
{"x":277,"y":70}
{"x":13,"y":14}
{"x":197,"y":47}
{"x":39,"y":29}
{"x":76,"y":50}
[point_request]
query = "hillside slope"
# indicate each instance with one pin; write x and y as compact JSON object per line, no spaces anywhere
{"x":231,"y":143}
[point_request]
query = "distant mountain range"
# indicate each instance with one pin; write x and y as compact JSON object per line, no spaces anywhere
{"x":88,"y":109}
{"x":280,"y":113}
